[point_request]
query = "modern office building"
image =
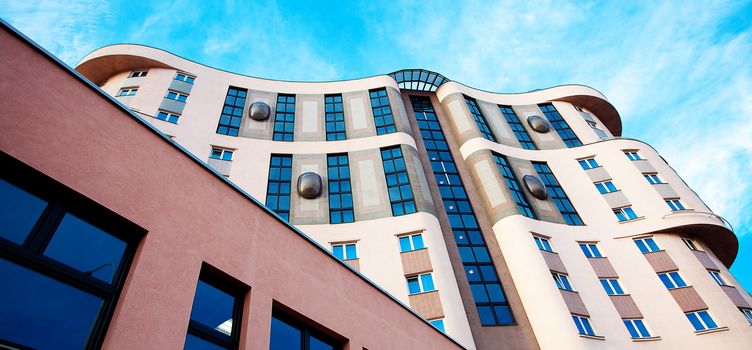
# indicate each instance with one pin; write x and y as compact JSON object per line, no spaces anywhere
{"x":149,"y":201}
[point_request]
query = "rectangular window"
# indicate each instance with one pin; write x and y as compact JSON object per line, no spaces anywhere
{"x":672,"y":280}
{"x":411,"y":242}
{"x":647,"y":245}
{"x":543,"y":244}
{"x":588,"y":163}
{"x":605,"y":187}
{"x":513,"y":185}
{"x":690,"y":244}
{"x":345,"y":251}
{"x":562,"y":281}
{"x":438,"y":323}
{"x":232,"y":111}
{"x":653,"y":179}
{"x":519,"y":131}
{"x":701,"y":320}
{"x":625,"y":214}
{"x":335,"y":118}
{"x":168,"y":116}
{"x":420,"y":284}
{"x":185,"y":77}
{"x":284,"y":118}
{"x":675,"y":204}
{"x":718,"y":278}
{"x":590,"y":250}
{"x":288,"y":333}
{"x":221,"y":153}
{"x":174,"y":95}
{"x":636,"y":328}
{"x":632,"y":155}
{"x":215,"y":315}
{"x":128,"y":91}
{"x":340,"y":191}
{"x":557,"y":194}
{"x":382,"y":112}
{"x":397,"y":181}
{"x":480,"y":120}
{"x":278,"y":187}
{"x":583,"y":325}
{"x":612,"y":286}
{"x":560,"y":125}
{"x":747,"y":313}
{"x":138,"y":74}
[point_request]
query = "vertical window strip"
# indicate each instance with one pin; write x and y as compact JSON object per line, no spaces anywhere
{"x":488,"y":293}
{"x":284,"y":118}
{"x":278,"y":187}
{"x":340,"y":192}
{"x":519,"y":130}
{"x":397,"y":181}
{"x":561,"y":126}
{"x":382,"y":112}
{"x":514,"y":186}
{"x":557,"y":194}
{"x":232,"y":112}
{"x":335,"y":118}
{"x":480,"y":120}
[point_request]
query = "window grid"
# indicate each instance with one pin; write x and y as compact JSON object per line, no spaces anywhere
{"x":382,"y":112}
{"x":397,"y":181}
{"x":168,"y":116}
{"x":214,"y":299}
{"x":421,"y":283}
{"x":340,"y":191}
{"x":345,"y":251}
{"x":543,"y":244}
{"x":636,"y":328}
{"x":653,"y":179}
{"x":612,"y":286}
{"x":701,"y":320}
{"x":284,"y":118}
{"x":278,"y":187}
{"x":128,"y":91}
{"x":583,"y":325}
{"x":632,"y":155}
{"x":514,"y":186}
{"x":605,"y":187}
{"x":138,"y":74}
{"x":174,"y":95}
{"x":486,"y":288}
{"x":625,"y":214}
{"x":672,"y":280}
{"x":232,"y":112}
{"x":675,"y":204}
{"x":557,"y":194}
{"x":480,"y":120}
{"x":590,"y":250}
{"x":519,"y":130}
{"x":411,"y":242}
{"x":185,"y":77}
{"x":647,"y":245}
{"x":588,"y":163}
{"x":562,"y":281}
{"x":562,"y":128}
{"x":221,"y":153}
{"x":335,"y":118}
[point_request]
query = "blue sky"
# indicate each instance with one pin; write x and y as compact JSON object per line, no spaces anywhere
{"x":679,"y":72}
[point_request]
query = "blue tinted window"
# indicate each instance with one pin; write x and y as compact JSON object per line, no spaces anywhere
{"x":278,"y":187}
{"x":19,"y":211}
{"x":338,"y":252}
{"x":351,"y":252}
{"x":519,"y":131}
{"x":557,"y":194}
{"x":418,"y":241}
{"x":284,"y":118}
{"x":398,"y":182}
{"x":340,"y":189}
{"x":439,"y":324}
{"x":560,"y":125}
{"x":318,"y":344}
{"x":212,"y":307}
{"x":405,"y":244}
{"x":193,"y":342}
{"x":285,"y":336}
{"x":427,"y":282}
{"x":479,"y":119}
{"x":335,"y":118}
{"x":705,"y":317}
{"x":232,"y":112}
{"x":513,"y":185}
{"x":382,"y":112}
{"x":413,"y":285}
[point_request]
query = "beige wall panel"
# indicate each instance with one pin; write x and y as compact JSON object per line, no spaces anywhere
{"x":309,"y":118}
{"x":665,"y":190}
{"x":398,"y":110}
{"x":126,"y":100}
{"x":358,"y":114}
{"x":625,"y":306}
{"x":644,"y":166}
{"x":498,"y":124}
{"x":603,"y":268}
{"x":598,"y":174}
{"x":553,"y":260}
{"x":253,"y":128}
{"x":416,"y":261}
{"x":309,"y":211}
{"x":370,"y":197}
{"x":548,"y":140}
{"x":354,"y":263}
{"x":688,"y":299}
{"x":660,"y":261}
{"x":462,"y":124}
{"x":705,"y":259}
{"x":616,"y":199}
{"x":735,"y":296}
{"x":497,"y":199}
{"x":427,"y":305}
{"x":418,"y":182}
{"x":574,"y":302}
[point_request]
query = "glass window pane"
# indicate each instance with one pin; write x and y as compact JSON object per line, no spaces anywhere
{"x":413,"y":286}
{"x":405,"y":244}
{"x":193,"y":342}
{"x":486,"y":315}
{"x":707,"y":319}
{"x":351,"y":253}
{"x":631,"y":329}
{"x":82,"y":246}
{"x":42,"y":313}
{"x":212,"y":308}
{"x":19,"y":212}
{"x":641,"y":327}
{"x":418,"y":242}
{"x":318,"y":344}
{"x":427,"y":282}
{"x":504,"y":314}
{"x":284,"y":336}
{"x":695,"y":321}
{"x":337,"y":251}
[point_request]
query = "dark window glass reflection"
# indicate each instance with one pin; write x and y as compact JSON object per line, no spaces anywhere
{"x":193,"y":342}
{"x":318,"y":344}
{"x":213,"y":308}
{"x":19,"y":212}
{"x":284,"y":336}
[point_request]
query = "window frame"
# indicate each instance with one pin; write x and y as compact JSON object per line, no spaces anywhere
{"x":747,"y":313}
{"x":127,"y":91}
{"x":588,"y":163}
{"x":646,"y":243}
{"x":627,"y":214}
{"x":590,"y":249}
{"x":653,"y":178}
{"x":604,"y":187}
{"x":306,"y":327}
{"x":230,"y":286}
{"x":633,"y":155}
{"x":690,"y":243}
{"x":138,"y":73}
{"x":408,"y":205}
{"x":675,"y":204}
{"x":543,"y":243}
{"x":672,"y":280}
{"x":168,"y":116}
{"x":583,"y":325}
{"x":344,"y":246}
{"x":558,"y":123}
{"x":557,"y":194}
{"x":562,"y":281}
{"x":334,"y":162}
{"x":703,"y":322}
{"x":514,"y":185}
{"x":612,"y":286}
{"x":186,"y":77}
{"x":383,"y":114}
{"x":480,"y":120}
{"x":411,"y":240}
{"x":177,"y":97}
{"x":335,"y":118}
{"x":419,"y":277}
{"x":227,"y":120}
{"x":636,"y":327}
{"x":223,"y":152}
{"x":718,"y":278}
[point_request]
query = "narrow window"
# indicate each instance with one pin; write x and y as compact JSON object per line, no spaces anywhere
{"x":215,"y":316}
{"x":612,"y":286}
{"x":438,"y":323}
{"x":519,"y":131}
{"x":636,"y":328}
{"x":588,"y":163}
{"x":138,"y":74}
{"x":345,"y":251}
{"x":278,"y":187}
{"x":232,"y":112}
{"x":718,"y":278}
{"x":288,"y":333}
{"x":543,"y":244}
{"x":397,"y":181}
{"x":513,"y":185}
{"x":675,"y":204}
{"x":168,"y":116}
{"x":185,"y":77}
{"x":284,"y":118}
{"x":479,"y":119}
{"x":647,"y":245}
{"x":701,"y":320}
{"x":557,"y":194}
{"x":605,"y":187}
{"x":583,"y":325}
{"x":632,"y":155}
{"x":690,"y":244}
{"x":382,"y":112}
{"x":562,"y":281}
{"x":411,"y":242}
{"x":560,"y":125}
{"x":420,"y":283}
{"x":340,"y":192}
{"x":672,"y":280}
{"x":335,"y":118}
{"x":174,"y":95}
{"x":653,"y":179}
{"x":590,"y":250}
{"x":128,"y":91}
{"x":625,"y":214}
{"x":747,"y":313}
{"x":221,"y":153}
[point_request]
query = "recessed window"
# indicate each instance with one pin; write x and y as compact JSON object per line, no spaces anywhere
{"x":701,"y":320}
{"x":675,"y":204}
{"x":632,"y":155}
{"x":174,"y":95}
{"x":562,"y":281}
{"x":340,"y":191}
{"x":543,"y":243}
{"x":560,"y":125}
{"x":747,"y":313}
{"x":221,"y":153}
{"x":397,"y":181}
{"x":625,"y":214}
{"x":185,"y":77}
{"x":718,"y":278}
{"x":382,"y":112}
{"x":288,"y":333}
{"x":605,"y":187}
{"x":345,"y":251}
{"x":590,"y":250}
{"x":557,"y":194}
{"x":513,"y":185}
{"x":168,"y":116}
{"x":588,"y":163}
{"x":420,"y":284}
{"x":672,"y":280}
{"x":138,"y":74}
{"x":612,"y":286}
{"x":653,"y":179}
{"x":690,"y":244}
{"x":647,"y":245}
{"x":479,"y":119}
{"x":335,"y":118}
{"x":284,"y":118}
{"x":438,"y":323}
{"x":128,"y":91}
{"x":232,"y":112}
{"x":215,"y":315}
{"x":411,"y":242}
{"x":278,"y":186}
{"x":583,"y":325}
{"x":636,"y":328}
{"x":519,"y":131}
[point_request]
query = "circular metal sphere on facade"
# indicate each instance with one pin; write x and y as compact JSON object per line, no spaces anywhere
{"x":260,"y":111}
{"x":535,"y":186}
{"x":537,"y":123}
{"x":309,"y":185}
